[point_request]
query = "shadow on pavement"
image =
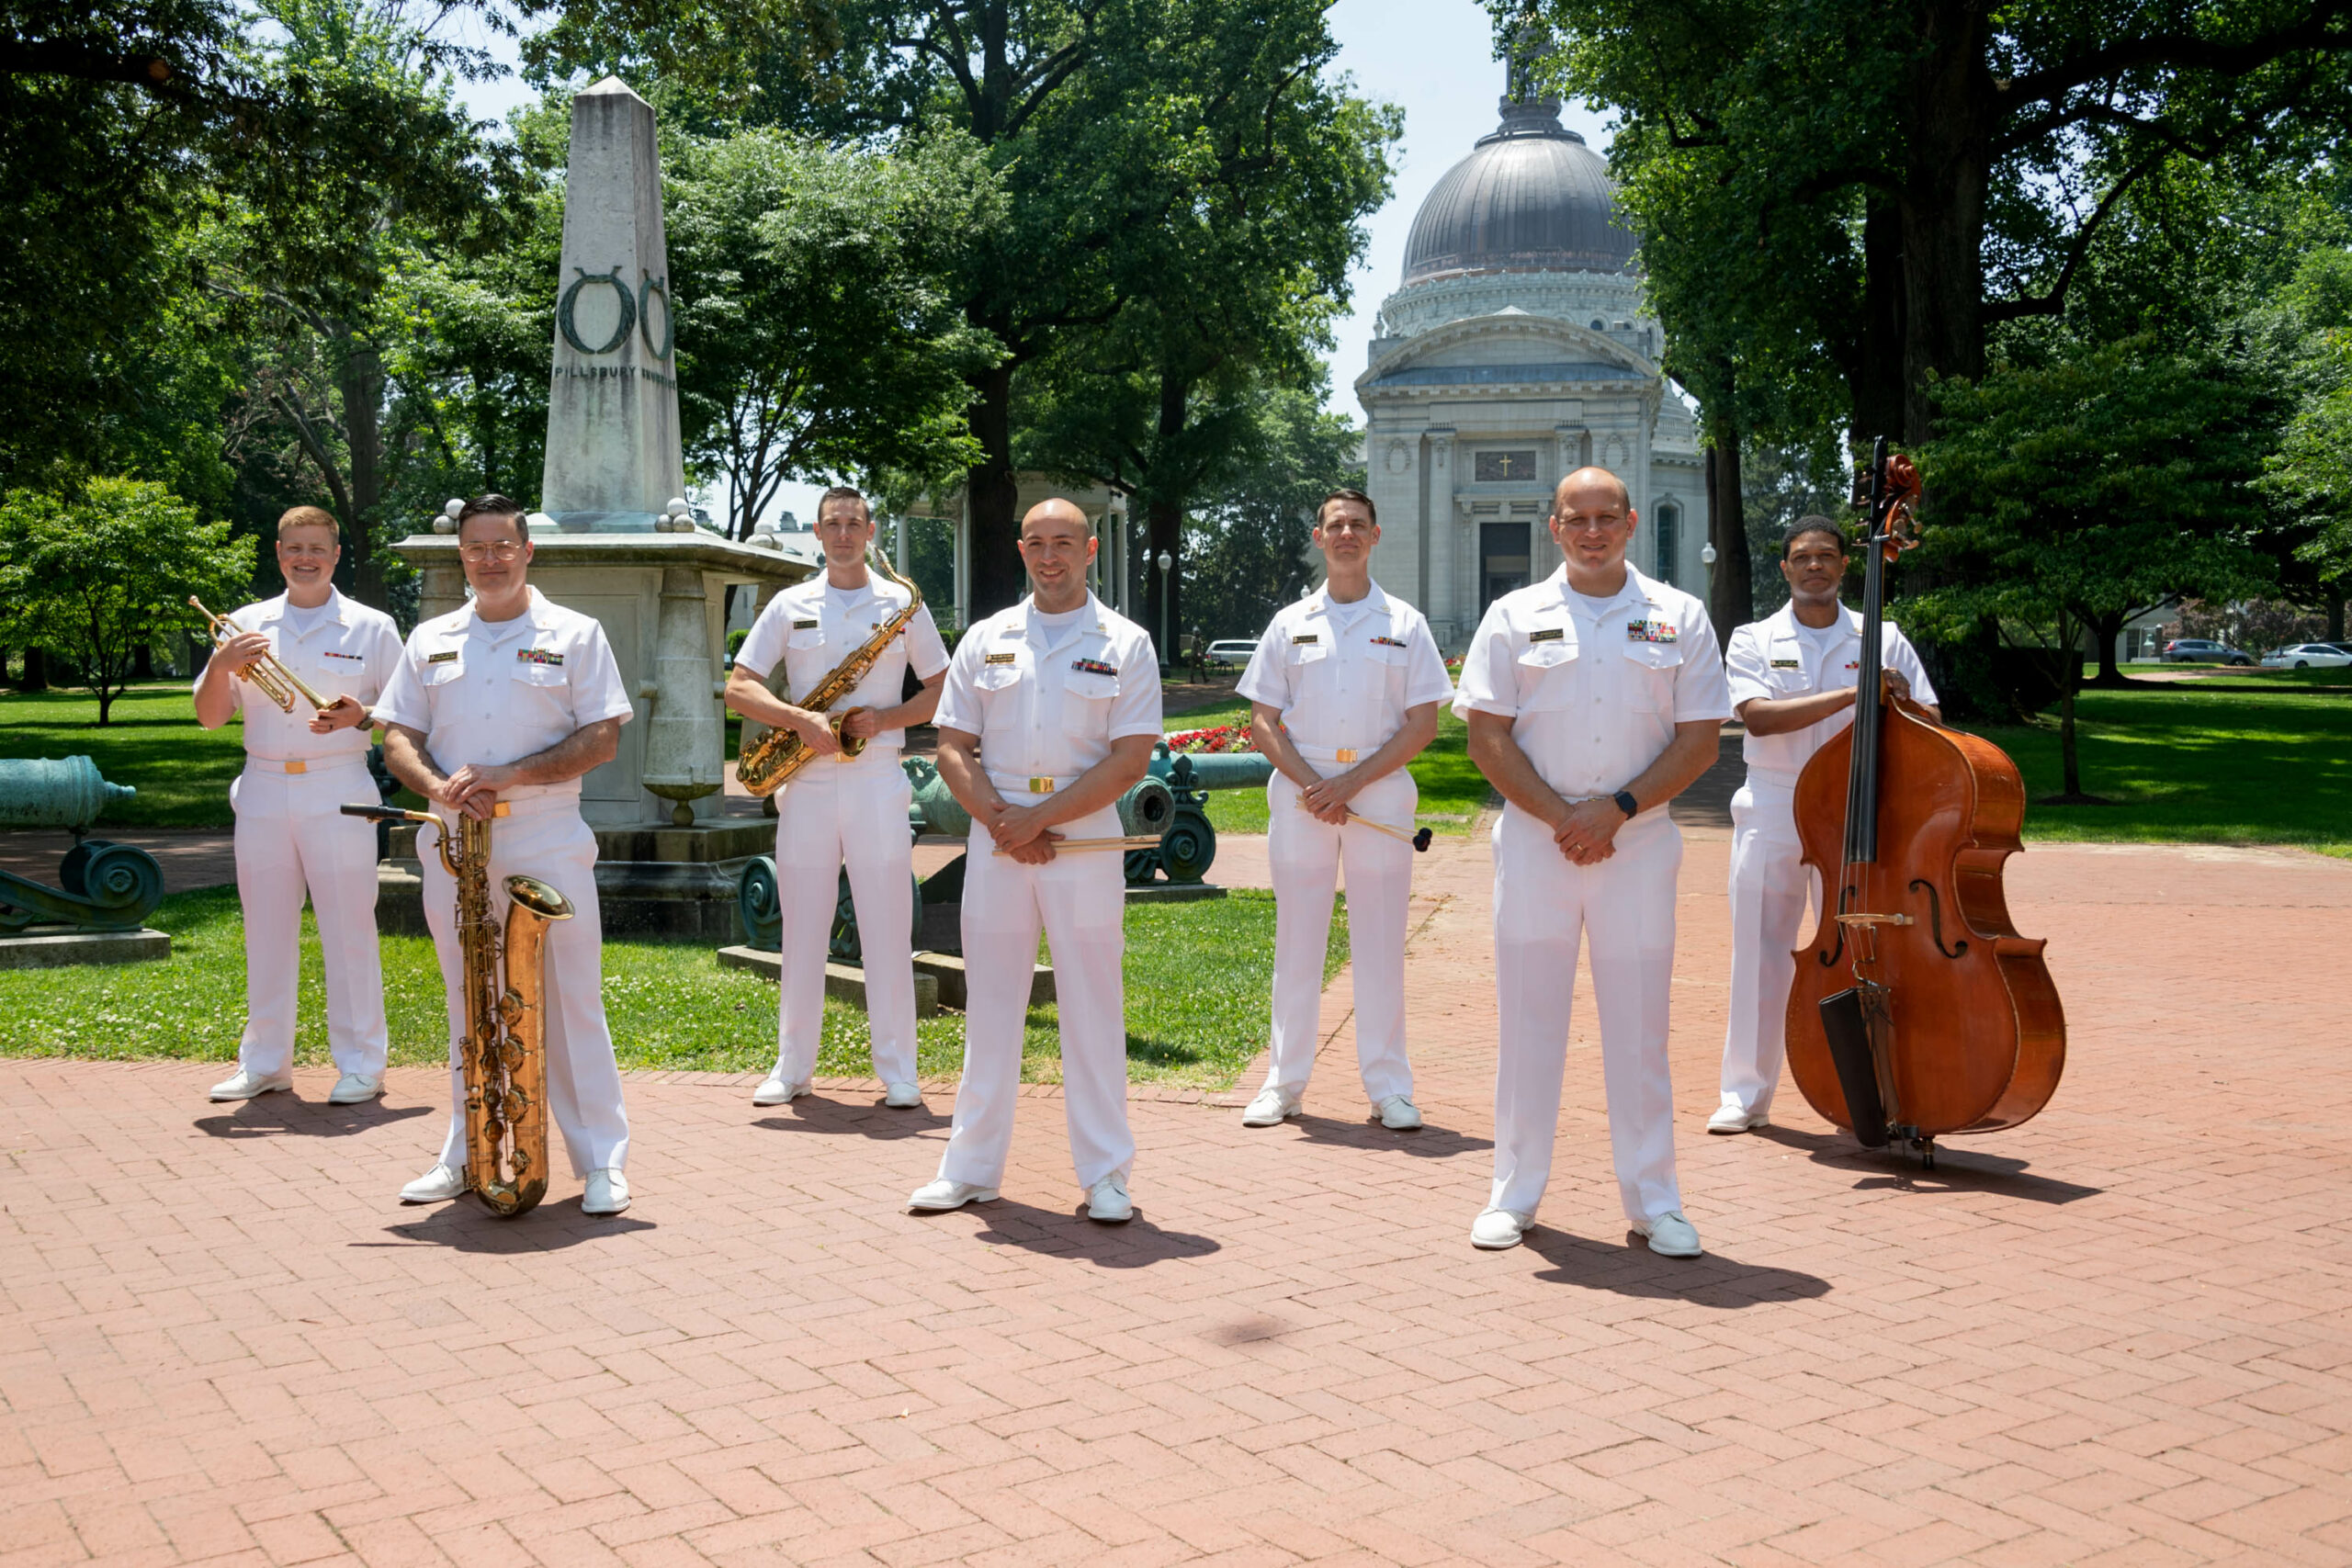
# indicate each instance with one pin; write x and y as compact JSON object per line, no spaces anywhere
{"x":1633,"y":1269}
{"x":1957,"y":1169}
{"x":1427,"y":1142}
{"x":466,"y":1227}
{"x":1138,"y":1244}
{"x":869,"y":1119}
{"x":268,"y":1114}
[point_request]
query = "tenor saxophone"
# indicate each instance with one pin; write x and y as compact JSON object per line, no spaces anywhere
{"x":769,"y":761}
{"x":504,"y":1053}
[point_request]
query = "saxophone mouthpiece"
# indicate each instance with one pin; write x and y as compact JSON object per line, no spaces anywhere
{"x":387,"y":814}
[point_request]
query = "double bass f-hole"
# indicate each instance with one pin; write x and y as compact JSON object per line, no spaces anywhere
{"x":1935,"y":919}
{"x":1828,"y":959}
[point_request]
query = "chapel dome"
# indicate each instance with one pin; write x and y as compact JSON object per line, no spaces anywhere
{"x":1531,"y":197}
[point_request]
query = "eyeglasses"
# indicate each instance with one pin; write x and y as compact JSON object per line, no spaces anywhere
{"x":499,"y":550}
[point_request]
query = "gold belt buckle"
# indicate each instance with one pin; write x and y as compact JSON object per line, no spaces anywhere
{"x":502,"y":809}
{"x":1346,"y":754}
{"x":1041,"y":786}
{"x":297,"y":766}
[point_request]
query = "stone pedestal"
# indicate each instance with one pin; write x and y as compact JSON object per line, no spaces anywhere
{"x":51,"y":949}
{"x":844,"y":982}
{"x":652,"y":881}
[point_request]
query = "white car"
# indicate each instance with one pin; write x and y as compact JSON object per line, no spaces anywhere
{"x":1231,"y":651}
{"x":2307,"y":655}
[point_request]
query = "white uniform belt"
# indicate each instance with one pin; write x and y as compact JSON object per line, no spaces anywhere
{"x":527,"y":806}
{"x":1771,"y":778}
{"x":1009,"y":784}
{"x":1331,"y":754}
{"x":295,"y":767}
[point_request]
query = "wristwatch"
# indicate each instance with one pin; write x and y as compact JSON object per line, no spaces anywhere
{"x":1626,"y":803}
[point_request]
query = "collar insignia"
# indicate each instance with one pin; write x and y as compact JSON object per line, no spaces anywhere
{"x":447,"y":657}
{"x":1550,"y":634}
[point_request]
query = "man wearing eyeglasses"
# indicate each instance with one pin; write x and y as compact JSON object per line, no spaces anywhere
{"x":1593,"y":698}
{"x":496,"y":712}
{"x":838,"y":810}
{"x":290,"y":838}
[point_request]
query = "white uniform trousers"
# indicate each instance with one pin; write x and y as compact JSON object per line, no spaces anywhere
{"x":1080,"y":900}
{"x":832,"y":814}
{"x":1305,"y":856}
{"x":290,"y":838}
{"x":545,"y":837}
{"x":1770,"y":885}
{"x":1625,"y":905}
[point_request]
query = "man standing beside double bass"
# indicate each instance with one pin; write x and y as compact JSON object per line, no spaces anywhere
{"x":494,"y":711}
{"x":1793,"y":686}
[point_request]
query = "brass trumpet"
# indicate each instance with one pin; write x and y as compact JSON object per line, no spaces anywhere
{"x":269,"y":677}
{"x":504,"y":1055}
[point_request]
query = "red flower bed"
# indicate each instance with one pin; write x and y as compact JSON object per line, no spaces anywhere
{"x":1222,"y":737}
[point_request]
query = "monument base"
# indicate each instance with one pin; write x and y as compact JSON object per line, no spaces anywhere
{"x":843,"y":981}
{"x":651,"y":881}
{"x":54,"y":949}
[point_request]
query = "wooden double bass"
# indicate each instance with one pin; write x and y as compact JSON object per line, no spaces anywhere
{"x":1917,"y":1009}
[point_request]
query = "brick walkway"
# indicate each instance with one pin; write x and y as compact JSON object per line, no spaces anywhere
{"x":2116,"y":1336}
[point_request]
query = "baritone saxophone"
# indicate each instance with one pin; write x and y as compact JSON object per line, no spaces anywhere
{"x":769,"y":761}
{"x":503,"y":1056}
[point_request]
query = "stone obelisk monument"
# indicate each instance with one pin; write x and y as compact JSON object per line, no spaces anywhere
{"x":613,"y":538}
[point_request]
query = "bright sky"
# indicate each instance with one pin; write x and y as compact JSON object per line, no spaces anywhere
{"x":1434,"y":59}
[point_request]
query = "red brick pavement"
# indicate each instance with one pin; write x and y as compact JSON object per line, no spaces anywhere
{"x":2115,"y":1336}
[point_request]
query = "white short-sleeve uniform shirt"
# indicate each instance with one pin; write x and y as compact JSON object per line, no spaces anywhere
{"x":812,"y":626}
{"x":343,"y":649}
{"x":1780,"y":657}
{"x":495,"y":692}
{"x":1047,"y":695}
{"x":1343,"y":675}
{"x":1594,"y":690}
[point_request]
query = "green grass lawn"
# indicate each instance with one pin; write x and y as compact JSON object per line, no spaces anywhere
{"x":2186,"y":765}
{"x":1196,"y":975}
{"x":1452,"y":790}
{"x":153,"y":743}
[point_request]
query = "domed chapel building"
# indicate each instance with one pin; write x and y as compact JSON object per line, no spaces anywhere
{"x":1517,"y":350}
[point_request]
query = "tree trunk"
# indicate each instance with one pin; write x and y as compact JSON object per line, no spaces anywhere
{"x":2336,"y":617}
{"x":1877,"y":376}
{"x":1164,"y":527}
{"x":36,"y":676}
{"x":1731,"y":591}
{"x":2107,"y":630}
{"x":1942,"y":207}
{"x":362,"y":390}
{"x":992,"y":499}
{"x":142,"y":663}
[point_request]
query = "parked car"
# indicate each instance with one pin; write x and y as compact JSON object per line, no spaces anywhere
{"x":1232,"y":652}
{"x":2204,"y":651}
{"x":2307,"y":655}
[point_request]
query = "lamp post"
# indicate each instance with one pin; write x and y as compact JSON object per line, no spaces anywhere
{"x":1166,"y":562}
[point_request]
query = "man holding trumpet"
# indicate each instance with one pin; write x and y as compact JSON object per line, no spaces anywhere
{"x":1050,"y":713}
{"x":1344,"y":692}
{"x":302,"y":760}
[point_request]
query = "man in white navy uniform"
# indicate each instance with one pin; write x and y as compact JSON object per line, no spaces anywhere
{"x":1792,"y":677}
{"x":496,"y":711}
{"x":1593,"y":698}
{"x":841,"y":809}
{"x":1344,"y":692}
{"x":1051,"y":711}
{"x":291,"y":838}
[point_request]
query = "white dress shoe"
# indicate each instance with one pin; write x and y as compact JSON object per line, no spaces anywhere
{"x":608,"y":1193}
{"x":1496,"y":1229}
{"x":1397,"y":1114}
{"x":353,"y":1088}
{"x":1107,"y":1201}
{"x":1272,"y":1108}
{"x":1735,"y":1119}
{"x":776,"y":1091}
{"x":1671,"y":1236}
{"x":436,"y":1186}
{"x":938,"y":1197}
{"x":902,"y":1095}
{"x":245,"y":1086}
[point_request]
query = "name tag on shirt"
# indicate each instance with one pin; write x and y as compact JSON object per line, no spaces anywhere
{"x":1788,"y":664}
{"x":1648,"y":631}
{"x":1306,"y":641}
{"x":1551,"y":635}
{"x":537,"y":656}
{"x":1389,"y":642}
{"x":804,"y":625}
{"x":1004,"y":659}
{"x":1093,"y":667}
{"x":447,"y":657}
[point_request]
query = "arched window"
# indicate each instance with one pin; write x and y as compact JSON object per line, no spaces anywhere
{"x":1597,"y":325}
{"x":1669,"y":540}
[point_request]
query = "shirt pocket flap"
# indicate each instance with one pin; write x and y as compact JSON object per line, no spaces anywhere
{"x":531,"y":674}
{"x":1306,"y":652}
{"x":997,"y":677}
{"x":805,"y":638}
{"x":1655,"y":655}
{"x":1546,"y":655}
{"x":441,"y":674}
{"x":1091,"y":685}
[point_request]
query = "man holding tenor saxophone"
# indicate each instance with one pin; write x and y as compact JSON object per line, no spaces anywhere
{"x":302,"y":757}
{"x":841,"y":804}
{"x":494,"y":713}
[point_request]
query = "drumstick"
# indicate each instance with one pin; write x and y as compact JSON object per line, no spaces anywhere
{"x":1419,"y":840}
{"x":1132,"y":842}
